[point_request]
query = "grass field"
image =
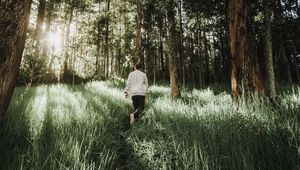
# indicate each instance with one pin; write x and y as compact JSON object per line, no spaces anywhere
{"x":86,"y":127}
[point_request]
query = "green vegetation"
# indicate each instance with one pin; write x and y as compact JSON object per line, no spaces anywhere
{"x":86,"y":127}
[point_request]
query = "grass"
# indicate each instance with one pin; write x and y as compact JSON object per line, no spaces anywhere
{"x":86,"y":127}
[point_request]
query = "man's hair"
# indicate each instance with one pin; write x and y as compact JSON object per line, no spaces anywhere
{"x":138,"y":66}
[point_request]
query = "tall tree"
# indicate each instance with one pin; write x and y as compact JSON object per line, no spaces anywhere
{"x":69,"y":18}
{"x":285,"y":61}
{"x":181,"y":47}
{"x":138,"y":53}
{"x":14,"y":16}
{"x":245,"y":71}
{"x":106,"y":47}
{"x":268,"y":51}
{"x":172,"y":48}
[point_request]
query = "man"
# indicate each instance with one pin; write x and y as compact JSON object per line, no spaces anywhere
{"x":136,"y":86}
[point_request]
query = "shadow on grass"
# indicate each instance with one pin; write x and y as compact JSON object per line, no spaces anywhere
{"x":46,"y":141}
{"x":233,"y":142}
{"x":118,"y":126}
{"x":15,"y":130}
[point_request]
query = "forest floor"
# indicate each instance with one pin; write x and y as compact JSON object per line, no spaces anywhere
{"x":86,"y":127}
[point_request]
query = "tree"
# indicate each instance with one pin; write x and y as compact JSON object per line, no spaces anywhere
{"x":13,"y":29}
{"x":268,"y":52}
{"x":181,"y":49}
{"x":172,"y":48}
{"x":106,"y":48}
{"x":68,"y":19}
{"x":245,"y":72}
{"x":139,"y":31}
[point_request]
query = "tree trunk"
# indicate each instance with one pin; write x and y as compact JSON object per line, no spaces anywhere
{"x":181,"y":55}
{"x":155,"y":64}
{"x":237,"y":15}
{"x":139,"y":32}
{"x":40,"y":20}
{"x":252,"y":79}
{"x":200,"y":66}
{"x":297,"y":72}
{"x":206,"y":59}
{"x":172,"y":49}
{"x":201,"y":82}
{"x":13,"y":29}
{"x":161,"y":52}
{"x":106,"y":48}
{"x":296,"y":67}
{"x":286,"y":63}
{"x":269,"y":54}
{"x":66,"y":71}
{"x":245,"y":70}
{"x":149,"y":54}
{"x":98,"y":48}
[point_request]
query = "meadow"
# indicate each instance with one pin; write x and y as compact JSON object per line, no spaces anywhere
{"x":86,"y":127}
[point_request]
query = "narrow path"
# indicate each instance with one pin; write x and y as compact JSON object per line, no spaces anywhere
{"x":125,"y":159}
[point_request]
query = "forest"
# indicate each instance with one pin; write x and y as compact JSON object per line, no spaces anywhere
{"x":224,"y":84}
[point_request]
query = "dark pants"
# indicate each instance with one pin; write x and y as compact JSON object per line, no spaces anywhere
{"x":138,"y":104}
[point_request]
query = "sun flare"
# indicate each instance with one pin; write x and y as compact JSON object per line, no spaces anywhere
{"x":55,"y":40}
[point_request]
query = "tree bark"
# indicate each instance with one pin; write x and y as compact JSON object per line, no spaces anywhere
{"x":296,"y":67}
{"x":13,"y":29}
{"x":139,"y":32}
{"x":175,"y":93}
{"x":237,"y":15}
{"x":201,"y":81}
{"x":286,"y":63}
{"x":98,"y":48}
{"x":181,"y":55}
{"x":106,"y":48}
{"x":161,"y":52}
{"x":244,"y":64}
{"x":66,"y":70}
{"x":269,"y":54}
{"x":206,"y":59}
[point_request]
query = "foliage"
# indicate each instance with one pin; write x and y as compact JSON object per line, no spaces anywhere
{"x":33,"y":67}
{"x":97,"y":42}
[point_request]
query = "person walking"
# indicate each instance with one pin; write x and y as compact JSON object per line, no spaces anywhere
{"x":136,"y":86}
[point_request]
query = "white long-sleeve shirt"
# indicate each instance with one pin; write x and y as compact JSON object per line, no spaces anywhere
{"x":137,"y":83}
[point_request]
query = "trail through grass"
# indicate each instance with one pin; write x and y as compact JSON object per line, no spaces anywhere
{"x":86,"y":127}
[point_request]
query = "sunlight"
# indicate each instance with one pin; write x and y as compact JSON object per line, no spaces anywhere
{"x":66,"y":104}
{"x":55,"y":41}
{"x":102,"y":88}
{"x":38,"y":109}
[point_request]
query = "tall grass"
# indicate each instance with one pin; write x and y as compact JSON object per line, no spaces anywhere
{"x":203,"y":132}
{"x":86,"y":127}
{"x":62,"y":127}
